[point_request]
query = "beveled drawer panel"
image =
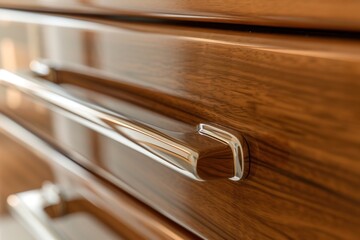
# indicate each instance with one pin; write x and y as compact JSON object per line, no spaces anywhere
{"x":324,"y":14}
{"x":294,"y":98}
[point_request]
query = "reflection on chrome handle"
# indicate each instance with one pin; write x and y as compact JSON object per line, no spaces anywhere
{"x":208,"y":152}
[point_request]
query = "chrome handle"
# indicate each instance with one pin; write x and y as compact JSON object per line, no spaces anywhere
{"x":28,"y":208}
{"x":208,"y":152}
{"x":34,"y":208}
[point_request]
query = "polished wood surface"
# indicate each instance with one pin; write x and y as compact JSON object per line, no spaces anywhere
{"x":295,"y":99}
{"x":83,"y":192}
{"x":324,"y":14}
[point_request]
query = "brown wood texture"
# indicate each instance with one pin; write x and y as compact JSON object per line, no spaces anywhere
{"x":324,"y":14}
{"x":83,"y":192}
{"x":295,"y":99}
{"x":125,"y":215}
{"x":18,"y":171}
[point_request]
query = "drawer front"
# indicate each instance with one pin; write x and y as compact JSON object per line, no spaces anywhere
{"x":73,"y":203}
{"x":335,"y":14}
{"x":294,"y":99}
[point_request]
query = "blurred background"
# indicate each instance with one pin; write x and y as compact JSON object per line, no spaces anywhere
{"x":17,"y":48}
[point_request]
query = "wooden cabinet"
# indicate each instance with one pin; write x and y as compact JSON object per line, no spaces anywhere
{"x":292,"y":98}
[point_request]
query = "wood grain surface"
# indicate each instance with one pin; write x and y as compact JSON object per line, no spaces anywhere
{"x":295,"y":98}
{"x":83,"y":192}
{"x":324,"y":14}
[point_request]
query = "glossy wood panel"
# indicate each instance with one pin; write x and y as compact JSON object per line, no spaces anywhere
{"x":81,"y":192}
{"x":335,"y":14}
{"x":295,"y":98}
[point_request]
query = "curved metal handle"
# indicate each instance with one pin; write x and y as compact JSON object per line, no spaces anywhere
{"x":37,"y":209}
{"x":28,"y":208}
{"x":208,"y":152}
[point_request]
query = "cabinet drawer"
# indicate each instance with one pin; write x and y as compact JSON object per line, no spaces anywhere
{"x":76,"y":204}
{"x":294,"y":99}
